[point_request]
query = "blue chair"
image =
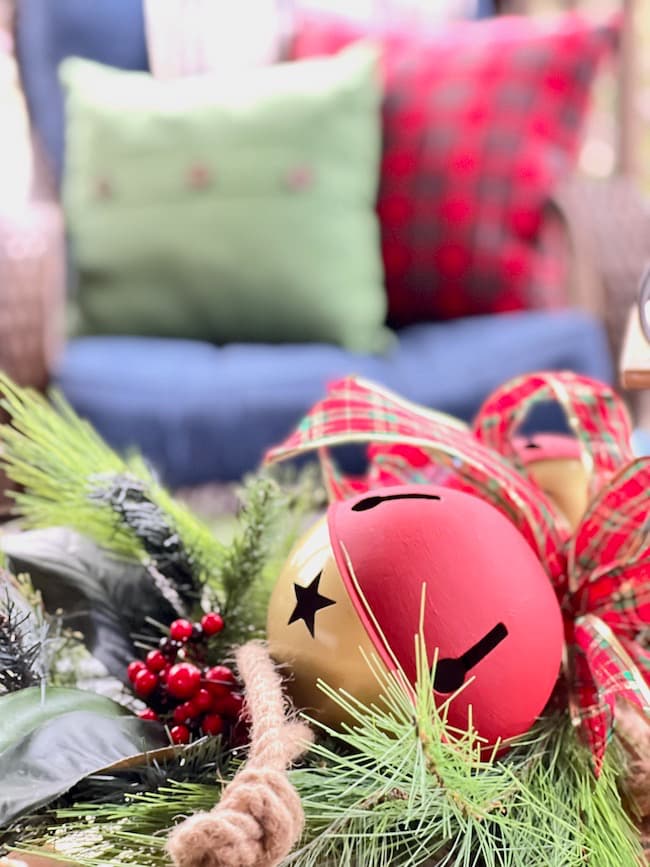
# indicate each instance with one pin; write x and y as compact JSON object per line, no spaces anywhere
{"x":201,"y":412}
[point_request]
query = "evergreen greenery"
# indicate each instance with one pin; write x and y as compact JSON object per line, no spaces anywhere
{"x":33,"y":644}
{"x":70,"y":477}
{"x":397,"y":788}
{"x":19,"y":655}
{"x":400,"y":788}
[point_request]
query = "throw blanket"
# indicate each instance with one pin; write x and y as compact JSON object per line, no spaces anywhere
{"x":193,"y":37}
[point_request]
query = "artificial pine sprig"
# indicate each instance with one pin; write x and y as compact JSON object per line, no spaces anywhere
{"x":71,"y":478}
{"x":240,"y":579}
{"x":34,"y":646}
{"x":68,"y":472}
{"x":131,"y":501}
{"x":399,"y":788}
{"x":54,"y":455}
{"x":20,"y":652}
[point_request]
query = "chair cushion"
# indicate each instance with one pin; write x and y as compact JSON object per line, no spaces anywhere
{"x":109,"y":31}
{"x":202,"y":413}
{"x":481,"y":121}
{"x":641,"y":442}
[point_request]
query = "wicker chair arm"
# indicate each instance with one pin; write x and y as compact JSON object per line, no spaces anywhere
{"x":32,"y":257}
{"x":607,"y":223}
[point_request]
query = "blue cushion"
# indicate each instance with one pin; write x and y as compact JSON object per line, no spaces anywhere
{"x":202,"y":413}
{"x":641,"y":443}
{"x":484,"y":8}
{"x":109,"y":31}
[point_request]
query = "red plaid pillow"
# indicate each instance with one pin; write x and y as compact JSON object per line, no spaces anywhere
{"x":481,"y":121}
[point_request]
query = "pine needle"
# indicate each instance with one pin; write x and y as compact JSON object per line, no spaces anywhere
{"x":71,"y":477}
{"x":19,"y":655}
{"x":399,"y":788}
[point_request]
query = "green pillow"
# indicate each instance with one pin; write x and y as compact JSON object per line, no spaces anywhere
{"x":238,"y":212}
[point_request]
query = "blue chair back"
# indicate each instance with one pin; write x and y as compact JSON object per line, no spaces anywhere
{"x":47,"y":31}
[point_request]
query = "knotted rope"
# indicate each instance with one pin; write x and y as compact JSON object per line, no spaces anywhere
{"x":259,"y":817}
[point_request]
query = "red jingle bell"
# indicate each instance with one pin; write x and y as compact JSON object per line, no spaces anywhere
{"x":490,"y":610}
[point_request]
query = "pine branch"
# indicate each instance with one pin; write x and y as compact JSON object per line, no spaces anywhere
{"x":538,"y":806}
{"x":130,"y":500}
{"x":34,"y":646}
{"x":269,"y":522}
{"x":54,"y":455}
{"x":399,"y":788}
{"x":20,"y":655}
{"x":72,"y":478}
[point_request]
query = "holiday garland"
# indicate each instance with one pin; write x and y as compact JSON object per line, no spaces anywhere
{"x":393,"y":789}
{"x":397,"y":785}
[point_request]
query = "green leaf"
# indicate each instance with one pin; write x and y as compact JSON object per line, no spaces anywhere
{"x":105,"y":597}
{"x":23,"y":711}
{"x":52,"y":739}
{"x":62,"y":752}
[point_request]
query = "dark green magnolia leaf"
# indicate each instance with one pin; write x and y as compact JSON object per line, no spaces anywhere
{"x":106,"y":598}
{"x":60,"y":753}
{"x":24,"y":711}
{"x":52,"y":739}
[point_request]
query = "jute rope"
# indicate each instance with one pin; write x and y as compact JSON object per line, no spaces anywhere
{"x":259,"y":818}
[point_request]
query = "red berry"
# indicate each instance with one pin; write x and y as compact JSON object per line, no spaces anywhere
{"x":145,"y":682}
{"x":220,"y":674}
{"x":239,"y":734}
{"x":203,"y":699}
{"x":162,"y":675}
{"x":148,"y":714}
{"x":181,"y":630}
{"x":232,"y":705}
{"x":134,"y":668}
{"x":212,"y":724}
{"x":218,"y":691}
{"x":183,"y":680}
{"x":186,"y":711}
{"x":156,"y":661}
{"x":180,"y":714}
{"x":180,"y":734}
{"x":212,"y":623}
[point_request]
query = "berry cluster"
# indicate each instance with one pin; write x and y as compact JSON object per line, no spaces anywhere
{"x":180,"y":689}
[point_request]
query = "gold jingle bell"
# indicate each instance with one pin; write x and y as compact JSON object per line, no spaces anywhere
{"x":311,"y":575}
{"x":554,"y":463}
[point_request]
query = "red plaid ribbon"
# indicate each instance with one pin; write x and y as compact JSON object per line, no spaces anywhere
{"x":598,"y":418}
{"x":601,"y":573}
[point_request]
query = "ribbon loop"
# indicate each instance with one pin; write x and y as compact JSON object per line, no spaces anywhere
{"x":601,"y":573}
{"x":594,"y":412}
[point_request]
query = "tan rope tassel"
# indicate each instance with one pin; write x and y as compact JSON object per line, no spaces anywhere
{"x":259,"y":818}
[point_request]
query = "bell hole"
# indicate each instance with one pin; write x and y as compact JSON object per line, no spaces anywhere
{"x":372,"y":502}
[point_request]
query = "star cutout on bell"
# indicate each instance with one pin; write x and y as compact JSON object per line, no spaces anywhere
{"x":308,"y":602}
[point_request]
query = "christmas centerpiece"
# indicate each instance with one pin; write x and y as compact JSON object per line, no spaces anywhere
{"x":463,"y":633}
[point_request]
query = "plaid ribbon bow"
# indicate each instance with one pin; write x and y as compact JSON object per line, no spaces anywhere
{"x":601,"y":573}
